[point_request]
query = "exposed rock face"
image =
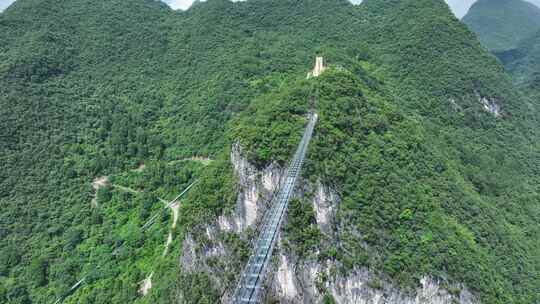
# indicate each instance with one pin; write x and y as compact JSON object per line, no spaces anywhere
{"x":196,"y":254}
{"x":324,"y":205}
{"x":291,"y":280}
{"x":256,"y":189}
{"x":318,"y":69}
{"x":359,"y":285}
{"x":189,"y":257}
{"x":490,"y":105}
{"x":286,"y":279}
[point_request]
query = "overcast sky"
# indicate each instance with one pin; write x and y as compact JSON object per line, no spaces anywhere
{"x":5,"y":3}
{"x":460,"y":7}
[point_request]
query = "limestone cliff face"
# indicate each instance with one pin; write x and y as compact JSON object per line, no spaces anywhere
{"x":292,"y":280}
{"x":256,"y":190}
{"x":204,"y":251}
{"x":298,"y":284}
{"x":490,"y":105}
{"x":301,"y":281}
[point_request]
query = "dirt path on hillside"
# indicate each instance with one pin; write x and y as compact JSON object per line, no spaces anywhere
{"x":126,"y":189}
{"x":96,"y":185}
{"x":175,"y":209}
{"x":140,"y":168}
{"x":201,"y":159}
{"x":146,"y":285}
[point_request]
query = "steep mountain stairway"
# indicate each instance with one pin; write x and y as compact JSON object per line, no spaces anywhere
{"x":250,"y":286}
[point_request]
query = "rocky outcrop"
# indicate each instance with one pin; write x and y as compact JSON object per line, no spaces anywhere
{"x":297,"y":281}
{"x":325,"y":202}
{"x":256,"y":190}
{"x":197,"y":251}
{"x":293,"y":280}
{"x":362,"y":287}
{"x":203,"y":250}
{"x":491,"y":106}
{"x":286,"y":280}
{"x":318,"y":69}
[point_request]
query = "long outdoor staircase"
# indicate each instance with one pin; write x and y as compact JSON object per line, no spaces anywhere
{"x":251,"y":283}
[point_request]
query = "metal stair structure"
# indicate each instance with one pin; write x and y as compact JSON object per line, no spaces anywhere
{"x":250,"y":285}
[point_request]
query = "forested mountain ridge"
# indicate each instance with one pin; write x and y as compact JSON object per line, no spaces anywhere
{"x":98,"y":88}
{"x":524,"y":62}
{"x":511,"y":30}
{"x":502,"y":24}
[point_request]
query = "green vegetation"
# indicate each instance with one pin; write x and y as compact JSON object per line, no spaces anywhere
{"x":424,"y":202}
{"x":502,"y":24}
{"x":516,"y":22}
{"x":413,"y":201}
{"x":328,"y":299}
{"x":511,"y":29}
{"x":525,"y":65}
{"x":433,"y":184}
{"x":271,"y":127}
{"x":301,"y":231}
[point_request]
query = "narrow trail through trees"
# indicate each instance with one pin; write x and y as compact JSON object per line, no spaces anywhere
{"x":174,"y":205}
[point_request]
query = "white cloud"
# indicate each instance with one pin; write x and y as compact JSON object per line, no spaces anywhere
{"x":4,"y":4}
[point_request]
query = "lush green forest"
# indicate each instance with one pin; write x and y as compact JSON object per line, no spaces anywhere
{"x":134,"y":91}
{"x":502,"y":24}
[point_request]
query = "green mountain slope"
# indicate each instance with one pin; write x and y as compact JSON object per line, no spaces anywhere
{"x":502,"y":24}
{"x":514,"y":25}
{"x":432,"y":182}
{"x":524,"y":65}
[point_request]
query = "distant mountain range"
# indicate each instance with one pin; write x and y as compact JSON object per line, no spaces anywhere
{"x":511,"y":30}
{"x":502,"y":24}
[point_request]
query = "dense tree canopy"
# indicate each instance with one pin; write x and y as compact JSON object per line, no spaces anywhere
{"x":89,"y":89}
